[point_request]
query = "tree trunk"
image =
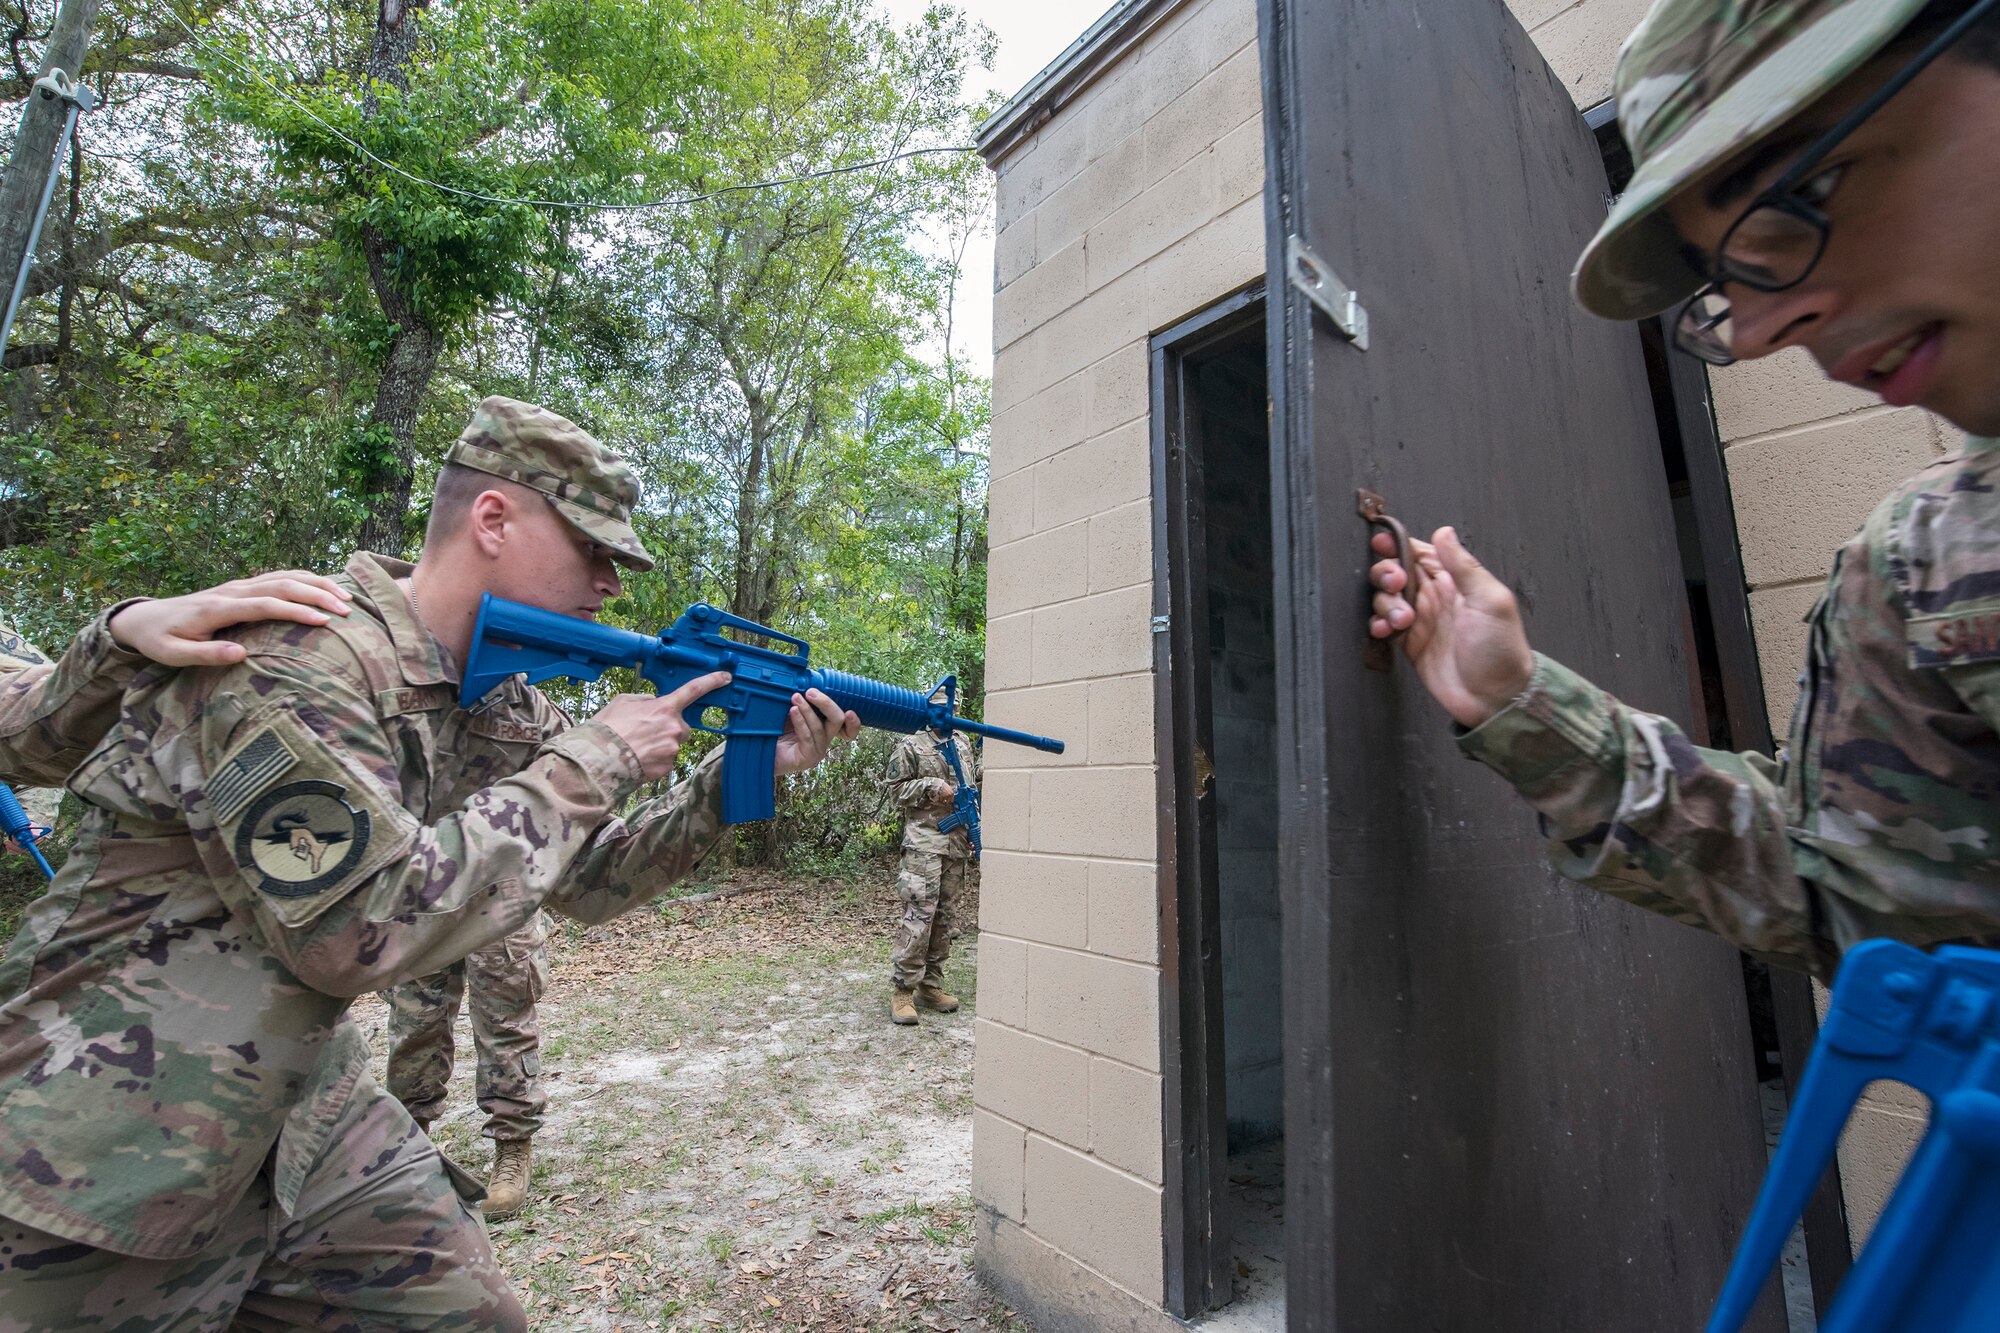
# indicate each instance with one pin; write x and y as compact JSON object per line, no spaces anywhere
{"x":406,"y":375}
{"x":744,"y":597}
{"x":545,"y":314}
{"x":34,"y":152}
{"x":416,"y":345}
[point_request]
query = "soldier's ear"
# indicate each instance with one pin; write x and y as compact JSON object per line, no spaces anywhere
{"x":487,"y":520}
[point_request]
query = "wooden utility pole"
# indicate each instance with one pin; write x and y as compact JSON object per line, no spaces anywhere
{"x":33,"y":159}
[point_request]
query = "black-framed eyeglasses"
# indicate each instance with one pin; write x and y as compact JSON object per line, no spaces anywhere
{"x":1776,"y":241}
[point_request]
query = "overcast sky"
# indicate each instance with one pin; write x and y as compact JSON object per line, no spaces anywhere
{"x":1031,"y":33}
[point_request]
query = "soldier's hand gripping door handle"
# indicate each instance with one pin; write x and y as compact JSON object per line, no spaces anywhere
{"x":1380,"y":654}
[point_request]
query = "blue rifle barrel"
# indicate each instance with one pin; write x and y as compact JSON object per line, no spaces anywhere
{"x":14,"y":823}
{"x":893,"y":708}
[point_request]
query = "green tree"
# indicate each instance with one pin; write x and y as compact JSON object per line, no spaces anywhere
{"x":248,"y":341}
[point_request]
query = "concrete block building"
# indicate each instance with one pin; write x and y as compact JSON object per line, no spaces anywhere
{"x":1131,"y":177}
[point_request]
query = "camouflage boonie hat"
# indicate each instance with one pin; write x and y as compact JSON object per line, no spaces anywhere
{"x":588,"y":484}
{"x":1698,"y":82}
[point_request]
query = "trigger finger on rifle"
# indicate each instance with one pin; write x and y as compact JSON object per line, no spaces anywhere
{"x":684,"y":697}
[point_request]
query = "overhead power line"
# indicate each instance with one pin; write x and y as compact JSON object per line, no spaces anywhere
{"x":647,"y":206}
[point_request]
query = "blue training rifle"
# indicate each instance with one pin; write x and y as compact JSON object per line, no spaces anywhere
{"x":15,"y":824}
{"x":511,"y":639}
{"x":1932,"y":1263}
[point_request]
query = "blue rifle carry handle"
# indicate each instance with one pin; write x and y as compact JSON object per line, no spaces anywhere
{"x":511,"y":639}
{"x":1932,"y":1264}
{"x":15,"y":824}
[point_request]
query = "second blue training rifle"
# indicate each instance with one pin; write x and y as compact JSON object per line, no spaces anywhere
{"x":511,"y":639}
{"x":1932,"y":1263}
{"x":965,"y":804}
{"x":15,"y":824}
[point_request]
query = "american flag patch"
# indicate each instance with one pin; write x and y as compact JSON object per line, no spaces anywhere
{"x":262,"y":760}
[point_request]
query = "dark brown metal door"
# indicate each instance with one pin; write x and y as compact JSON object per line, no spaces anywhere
{"x":1511,"y":1104}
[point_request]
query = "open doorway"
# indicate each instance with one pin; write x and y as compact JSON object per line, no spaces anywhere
{"x":1215,"y":651}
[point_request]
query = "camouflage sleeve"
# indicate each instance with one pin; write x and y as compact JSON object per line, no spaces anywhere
{"x":1633,"y":808}
{"x":633,"y":861}
{"x":348,"y":888}
{"x":905,"y":780}
{"x":53,"y":714}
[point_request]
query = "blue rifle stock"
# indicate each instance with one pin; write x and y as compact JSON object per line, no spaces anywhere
{"x":1932,"y":1264}
{"x":512,"y":639}
{"x":965,"y":805}
{"x":14,"y":823}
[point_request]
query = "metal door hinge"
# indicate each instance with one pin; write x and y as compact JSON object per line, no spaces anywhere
{"x":1323,"y":287}
{"x":1159,"y":624}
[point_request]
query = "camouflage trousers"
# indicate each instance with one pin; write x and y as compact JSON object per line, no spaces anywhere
{"x":499,"y":984}
{"x":380,"y":1239}
{"x":929,"y":885}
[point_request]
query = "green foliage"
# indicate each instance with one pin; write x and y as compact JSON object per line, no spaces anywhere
{"x":767,"y":358}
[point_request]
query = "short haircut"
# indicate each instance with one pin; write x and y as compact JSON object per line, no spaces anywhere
{"x":457,"y":487}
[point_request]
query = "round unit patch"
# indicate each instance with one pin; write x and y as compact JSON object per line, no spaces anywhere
{"x":303,"y":836}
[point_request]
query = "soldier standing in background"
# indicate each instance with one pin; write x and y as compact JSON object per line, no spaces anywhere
{"x":933,"y":872}
{"x":500,"y":984}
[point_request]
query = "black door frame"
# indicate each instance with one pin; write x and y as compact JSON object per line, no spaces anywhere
{"x":1692,"y":421}
{"x":1194,"y":1107}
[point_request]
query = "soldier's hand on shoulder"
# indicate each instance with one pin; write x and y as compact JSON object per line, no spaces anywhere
{"x":180,"y":631}
{"x":656,"y":726}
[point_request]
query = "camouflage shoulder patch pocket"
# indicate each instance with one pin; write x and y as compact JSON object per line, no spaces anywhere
{"x":1958,"y":636}
{"x":301,"y":820}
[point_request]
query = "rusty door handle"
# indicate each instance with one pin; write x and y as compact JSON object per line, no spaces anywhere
{"x":1380,"y":654}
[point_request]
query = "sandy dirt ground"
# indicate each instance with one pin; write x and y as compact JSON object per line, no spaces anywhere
{"x":737,"y":1138}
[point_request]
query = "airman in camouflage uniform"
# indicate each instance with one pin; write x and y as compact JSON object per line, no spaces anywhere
{"x":189,"y":1134}
{"x":499,"y":984}
{"x":933,"y":873}
{"x":1879,"y":817}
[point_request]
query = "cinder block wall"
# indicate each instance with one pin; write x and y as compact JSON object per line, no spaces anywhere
{"x":1136,"y":205}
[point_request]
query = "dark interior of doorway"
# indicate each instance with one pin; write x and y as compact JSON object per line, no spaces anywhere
{"x":1222,"y":991}
{"x":1230,"y":412}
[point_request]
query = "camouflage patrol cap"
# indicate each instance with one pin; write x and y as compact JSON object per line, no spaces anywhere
{"x":1698,"y":82}
{"x":588,"y":484}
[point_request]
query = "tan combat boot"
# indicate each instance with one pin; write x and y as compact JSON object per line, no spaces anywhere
{"x":903,"y":1006}
{"x":933,"y":996}
{"x":507,"y":1188}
